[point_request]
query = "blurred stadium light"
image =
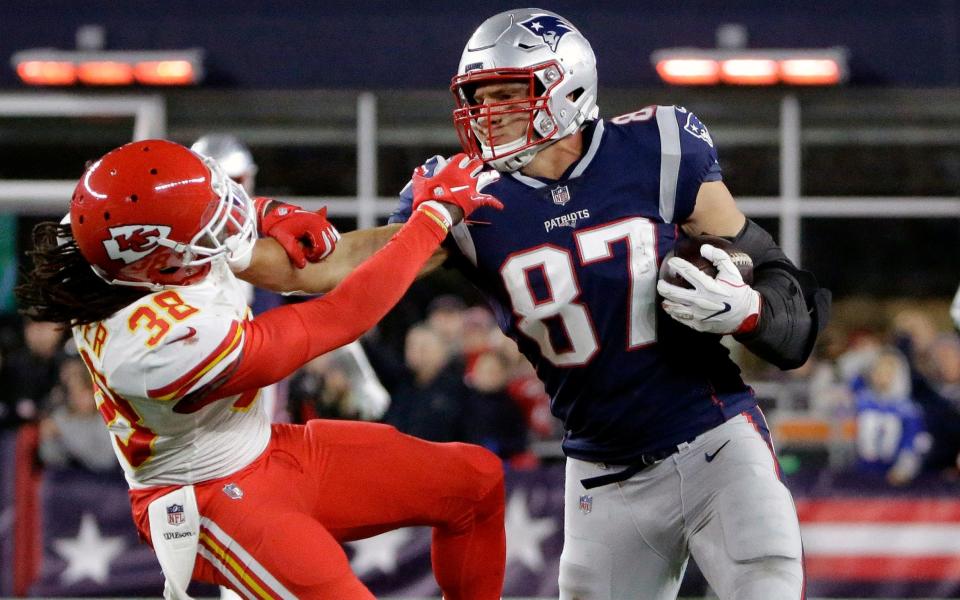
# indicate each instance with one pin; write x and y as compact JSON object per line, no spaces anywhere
{"x":696,"y":66}
{"x":50,"y":67}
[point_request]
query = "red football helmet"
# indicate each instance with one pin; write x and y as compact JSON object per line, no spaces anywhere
{"x":154,"y":214}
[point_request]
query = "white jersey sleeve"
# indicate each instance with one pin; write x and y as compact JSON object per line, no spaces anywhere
{"x":192,"y":358}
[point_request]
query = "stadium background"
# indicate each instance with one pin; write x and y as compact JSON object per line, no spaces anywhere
{"x":339,"y":102}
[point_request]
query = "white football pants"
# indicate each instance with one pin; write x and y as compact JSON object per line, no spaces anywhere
{"x":631,"y":540}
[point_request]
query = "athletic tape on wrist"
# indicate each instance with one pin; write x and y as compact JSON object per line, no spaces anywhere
{"x":442,"y":210}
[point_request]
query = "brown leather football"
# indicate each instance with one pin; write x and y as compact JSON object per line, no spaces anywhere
{"x":688,"y":248}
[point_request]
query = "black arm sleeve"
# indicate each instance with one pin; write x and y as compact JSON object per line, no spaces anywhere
{"x":795,"y":308}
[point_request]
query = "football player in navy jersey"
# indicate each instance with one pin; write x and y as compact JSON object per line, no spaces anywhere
{"x":667,"y":453}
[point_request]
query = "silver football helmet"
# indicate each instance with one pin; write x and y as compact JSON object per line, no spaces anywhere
{"x":533,"y":46}
{"x":232,"y":156}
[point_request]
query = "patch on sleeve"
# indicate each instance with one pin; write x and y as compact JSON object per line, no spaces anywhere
{"x":694,"y":127}
{"x":404,"y":207}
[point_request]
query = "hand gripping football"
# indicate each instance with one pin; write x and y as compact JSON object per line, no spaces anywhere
{"x":688,"y":248}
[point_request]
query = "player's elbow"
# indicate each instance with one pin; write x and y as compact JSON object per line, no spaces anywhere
{"x":787,"y":328}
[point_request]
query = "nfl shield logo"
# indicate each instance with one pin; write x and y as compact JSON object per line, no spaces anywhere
{"x":561,"y":195}
{"x":233,"y":491}
{"x":175,"y":514}
{"x":586,"y":504}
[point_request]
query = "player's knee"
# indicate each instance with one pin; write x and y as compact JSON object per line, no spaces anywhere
{"x":485,"y":469}
{"x":770,"y":578}
{"x":759,"y":521}
{"x":479,"y":478}
{"x":488,"y":470}
{"x":586,"y":570}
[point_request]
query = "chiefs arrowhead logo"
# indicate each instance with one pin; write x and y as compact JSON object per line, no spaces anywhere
{"x":130,"y":243}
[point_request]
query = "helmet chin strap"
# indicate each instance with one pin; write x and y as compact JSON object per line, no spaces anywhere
{"x":514,"y":162}
{"x":153,"y":287}
{"x":507,"y":161}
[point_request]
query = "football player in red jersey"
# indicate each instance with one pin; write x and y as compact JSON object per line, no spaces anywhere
{"x":142,"y":274}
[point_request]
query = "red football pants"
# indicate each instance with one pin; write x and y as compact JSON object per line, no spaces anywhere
{"x":334,"y":481}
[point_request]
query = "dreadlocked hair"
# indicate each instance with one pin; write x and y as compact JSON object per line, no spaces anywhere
{"x":61,"y":287}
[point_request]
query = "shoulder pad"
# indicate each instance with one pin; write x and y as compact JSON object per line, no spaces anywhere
{"x":188,"y":358}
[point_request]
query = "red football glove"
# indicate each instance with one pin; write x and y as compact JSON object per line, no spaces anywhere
{"x":304,"y":235}
{"x":458,"y":182}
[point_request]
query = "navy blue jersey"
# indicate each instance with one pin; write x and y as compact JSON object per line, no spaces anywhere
{"x":570,"y":269}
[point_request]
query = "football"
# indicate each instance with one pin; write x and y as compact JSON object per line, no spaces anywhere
{"x":688,"y":248}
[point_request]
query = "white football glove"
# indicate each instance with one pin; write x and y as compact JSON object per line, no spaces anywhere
{"x":722,"y":305}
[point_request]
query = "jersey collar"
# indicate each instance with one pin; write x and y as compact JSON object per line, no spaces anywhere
{"x":592,"y":134}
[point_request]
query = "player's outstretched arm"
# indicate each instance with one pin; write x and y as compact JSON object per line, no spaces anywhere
{"x":282,"y":339}
{"x":271,"y":269}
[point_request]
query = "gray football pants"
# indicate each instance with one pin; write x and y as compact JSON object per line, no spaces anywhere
{"x":631,"y":540}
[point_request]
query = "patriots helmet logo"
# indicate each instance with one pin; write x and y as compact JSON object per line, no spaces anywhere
{"x":549,"y":28}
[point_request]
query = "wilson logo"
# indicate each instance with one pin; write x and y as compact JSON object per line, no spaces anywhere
{"x":130,"y":243}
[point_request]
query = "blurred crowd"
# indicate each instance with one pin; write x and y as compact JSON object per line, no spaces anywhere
{"x":44,"y":382}
{"x":891,"y":394}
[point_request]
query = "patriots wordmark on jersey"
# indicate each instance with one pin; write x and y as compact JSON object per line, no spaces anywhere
{"x":574,"y":283}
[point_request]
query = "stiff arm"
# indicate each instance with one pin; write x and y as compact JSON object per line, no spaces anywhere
{"x":271,"y":269}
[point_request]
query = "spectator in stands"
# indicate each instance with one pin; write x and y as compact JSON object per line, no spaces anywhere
{"x":480,"y":333}
{"x":862,"y":348}
{"x":528,"y":392}
{"x":944,"y":366}
{"x":498,"y":422}
{"x":73,"y":434}
{"x":935,"y":378}
{"x":891,"y":436}
{"x":320,"y":390}
{"x":430,"y":403}
{"x":938,"y":392}
{"x":914,"y":332}
{"x":338,"y":385}
{"x":828,"y":390}
{"x":30,"y":372}
{"x":445,"y":316}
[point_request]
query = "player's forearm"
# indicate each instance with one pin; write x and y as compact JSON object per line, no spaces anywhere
{"x":282,"y":339}
{"x":271,"y":269}
{"x":795,"y":309}
{"x":369,"y":292}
